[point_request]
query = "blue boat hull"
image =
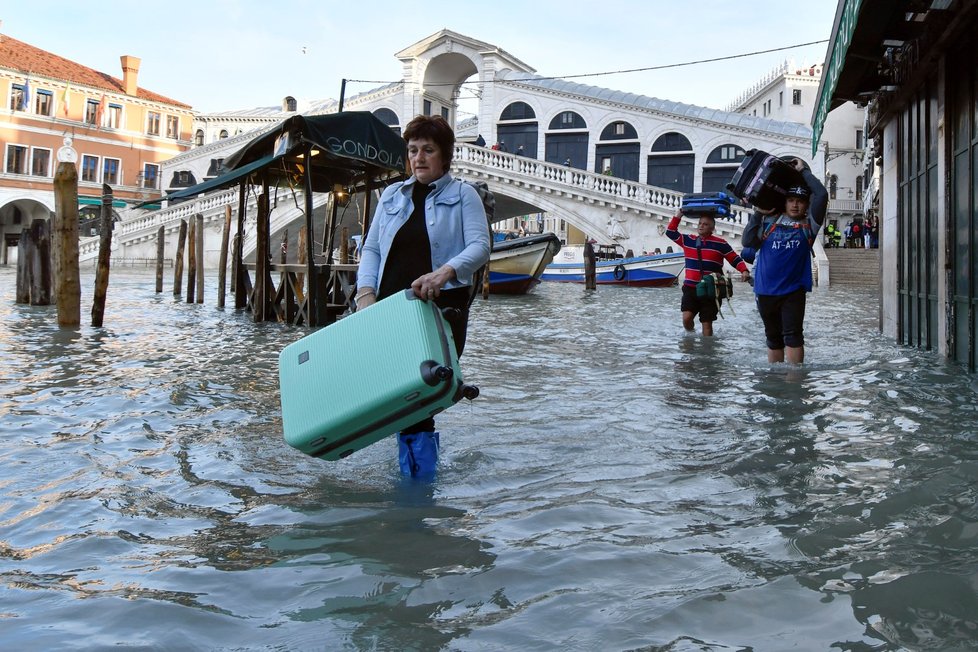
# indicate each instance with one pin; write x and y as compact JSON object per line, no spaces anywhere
{"x":640,"y":271}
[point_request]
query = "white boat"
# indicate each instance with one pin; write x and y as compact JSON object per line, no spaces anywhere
{"x":515,"y":265}
{"x":612,"y":268}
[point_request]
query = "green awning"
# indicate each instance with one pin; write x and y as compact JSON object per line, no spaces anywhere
{"x":97,"y":201}
{"x":845,"y":25}
{"x":222,"y":181}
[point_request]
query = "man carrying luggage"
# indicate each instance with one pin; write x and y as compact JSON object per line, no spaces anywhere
{"x":783,"y":272}
{"x":705,"y":254}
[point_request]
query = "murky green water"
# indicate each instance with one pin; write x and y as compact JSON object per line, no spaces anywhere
{"x":617,"y":486}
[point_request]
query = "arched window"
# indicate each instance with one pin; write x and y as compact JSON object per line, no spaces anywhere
{"x":199,"y":138}
{"x":289,"y":104}
{"x":672,"y":142}
{"x":618,"y":159}
{"x":671,"y":163}
{"x":518,"y":111}
{"x":517,"y":131}
{"x":720,"y":166}
{"x":389,"y":118}
{"x":224,"y":134}
{"x":568,"y":120}
{"x":619,"y":130}
{"x":727,"y":154}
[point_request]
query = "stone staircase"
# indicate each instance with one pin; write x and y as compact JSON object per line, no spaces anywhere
{"x":856,"y":267}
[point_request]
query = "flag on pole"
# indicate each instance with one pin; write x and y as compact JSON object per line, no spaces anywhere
{"x":64,"y":100}
{"x":25,"y":98}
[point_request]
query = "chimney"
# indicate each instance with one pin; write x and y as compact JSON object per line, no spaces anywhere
{"x":130,"y":70}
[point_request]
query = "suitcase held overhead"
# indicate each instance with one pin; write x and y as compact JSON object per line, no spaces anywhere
{"x":762,"y":180}
{"x":368,"y":376}
{"x":714,"y":204}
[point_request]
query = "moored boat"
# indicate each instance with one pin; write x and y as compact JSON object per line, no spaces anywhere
{"x":515,"y":265}
{"x":611,"y":268}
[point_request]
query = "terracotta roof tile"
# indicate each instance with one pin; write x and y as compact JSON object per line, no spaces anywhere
{"x":27,"y":59}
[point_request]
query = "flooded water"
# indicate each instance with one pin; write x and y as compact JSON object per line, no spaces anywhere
{"x":618,"y":486}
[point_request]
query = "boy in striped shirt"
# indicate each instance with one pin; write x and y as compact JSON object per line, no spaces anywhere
{"x":705,"y":253}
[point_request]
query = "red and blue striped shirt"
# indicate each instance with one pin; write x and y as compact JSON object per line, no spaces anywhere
{"x":703,"y":255}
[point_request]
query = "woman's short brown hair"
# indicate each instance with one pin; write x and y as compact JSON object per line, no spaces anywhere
{"x":436,"y":129}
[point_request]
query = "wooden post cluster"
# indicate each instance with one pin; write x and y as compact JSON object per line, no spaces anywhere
{"x":34,"y":264}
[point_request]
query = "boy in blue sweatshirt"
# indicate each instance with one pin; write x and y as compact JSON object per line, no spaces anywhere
{"x":783,"y":271}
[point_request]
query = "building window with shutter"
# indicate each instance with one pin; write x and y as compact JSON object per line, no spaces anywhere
{"x":16,"y":159}
{"x":40,"y":162}
{"x":113,"y":117}
{"x":44,"y":103}
{"x":17,"y":97}
{"x":91,"y":111}
{"x":89,"y":168}
{"x":110,"y":171}
{"x":796,"y":96}
{"x":173,"y":127}
{"x":153,"y":123}
{"x":151,"y":176}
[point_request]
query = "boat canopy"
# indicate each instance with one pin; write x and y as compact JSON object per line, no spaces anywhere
{"x":348,"y":149}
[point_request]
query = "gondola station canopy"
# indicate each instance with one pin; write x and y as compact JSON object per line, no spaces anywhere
{"x":347,"y":149}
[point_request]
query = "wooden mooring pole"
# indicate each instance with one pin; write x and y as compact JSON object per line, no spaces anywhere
{"x":41,"y":265}
{"x":590,"y":280}
{"x":159,"y":258}
{"x":223,"y":264}
{"x":178,"y":261}
{"x":104,"y":254}
{"x":25,"y":258}
{"x":67,"y":280}
{"x":200,"y":257}
{"x":191,"y":260}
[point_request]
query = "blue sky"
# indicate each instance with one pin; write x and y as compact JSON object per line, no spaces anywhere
{"x":226,"y":54}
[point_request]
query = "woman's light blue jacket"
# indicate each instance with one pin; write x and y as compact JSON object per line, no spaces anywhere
{"x":457,"y":230}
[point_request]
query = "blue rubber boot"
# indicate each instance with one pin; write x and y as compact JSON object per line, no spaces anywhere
{"x":417,"y":453}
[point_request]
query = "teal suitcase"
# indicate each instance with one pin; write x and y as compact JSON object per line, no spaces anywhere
{"x":367,"y":376}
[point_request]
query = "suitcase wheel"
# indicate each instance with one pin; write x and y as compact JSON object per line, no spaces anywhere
{"x":433,"y":373}
{"x":471,"y":392}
